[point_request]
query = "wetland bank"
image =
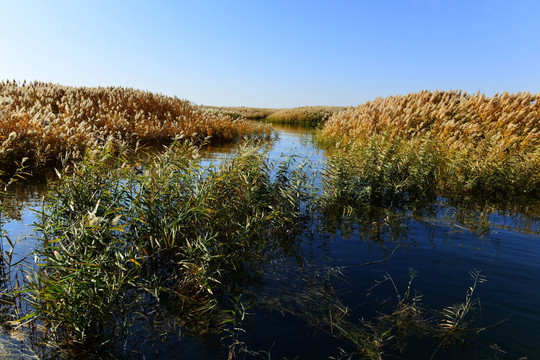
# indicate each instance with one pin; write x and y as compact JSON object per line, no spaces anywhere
{"x":406,"y":227}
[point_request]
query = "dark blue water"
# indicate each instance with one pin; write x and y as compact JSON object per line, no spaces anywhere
{"x":442,"y":246}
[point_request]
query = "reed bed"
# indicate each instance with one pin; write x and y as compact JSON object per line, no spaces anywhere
{"x":176,"y":240}
{"x":241,"y":111}
{"x":45,"y":123}
{"x":306,"y":115}
{"x":173,"y":241}
{"x":487,"y":146}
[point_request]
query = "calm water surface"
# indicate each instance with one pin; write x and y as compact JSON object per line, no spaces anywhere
{"x":443,"y":245}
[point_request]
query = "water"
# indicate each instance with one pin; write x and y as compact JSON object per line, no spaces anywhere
{"x":443,"y":245}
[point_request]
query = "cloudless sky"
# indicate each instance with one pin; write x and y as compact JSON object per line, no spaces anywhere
{"x":268,"y":53}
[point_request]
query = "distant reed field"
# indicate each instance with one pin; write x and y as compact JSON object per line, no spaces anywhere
{"x":241,"y":111}
{"x":44,"y":122}
{"x":306,"y":115}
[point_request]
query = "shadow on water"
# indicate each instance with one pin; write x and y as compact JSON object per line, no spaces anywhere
{"x":341,"y":281}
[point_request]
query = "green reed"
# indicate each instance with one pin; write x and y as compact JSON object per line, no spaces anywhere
{"x":382,"y":172}
{"x":172,"y":241}
{"x":118,"y":238}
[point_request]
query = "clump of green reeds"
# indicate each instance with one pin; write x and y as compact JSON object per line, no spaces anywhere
{"x":487,"y":146}
{"x":306,"y":115}
{"x":381,"y":171}
{"x":119,"y":241}
{"x":46,"y":123}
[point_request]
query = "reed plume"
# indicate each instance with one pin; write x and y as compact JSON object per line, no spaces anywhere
{"x":46,"y":122}
{"x":490,"y":145}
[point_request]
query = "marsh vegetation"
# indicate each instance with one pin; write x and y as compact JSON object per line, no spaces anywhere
{"x":49,"y":124}
{"x":466,"y":144}
{"x":180,"y":244}
{"x":351,"y":258}
{"x":310,"y":116}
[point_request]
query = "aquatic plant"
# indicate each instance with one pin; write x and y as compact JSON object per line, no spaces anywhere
{"x":396,"y":330}
{"x":49,"y":123}
{"x":410,"y":320}
{"x":453,"y":324}
{"x":10,"y":265}
{"x":241,"y":111}
{"x":175,"y":237}
{"x":4,"y":257}
{"x":383,"y":172}
{"x":306,"y":115}
{"x":371,"y":186}
{"x":485,"y":146}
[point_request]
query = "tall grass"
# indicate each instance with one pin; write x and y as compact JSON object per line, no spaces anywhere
{"x":306,"y":115}
{"x":47,"y":123}
{"x":177,"y":238}
{"x":241,"y":111}
{"x":487,"y":146}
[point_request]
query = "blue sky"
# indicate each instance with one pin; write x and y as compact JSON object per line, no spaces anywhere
{"x":275,"y":53}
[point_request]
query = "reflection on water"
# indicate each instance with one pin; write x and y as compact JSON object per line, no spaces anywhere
{"x":290,"y":139}
{"x":442,"y":242}
{"x":22,"y":196}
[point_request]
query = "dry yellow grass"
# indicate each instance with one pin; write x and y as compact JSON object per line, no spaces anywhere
{"x":241,"y":111}
{"x":308,"y":115}
{"x":43,"y":121}
{"x":305,"y":115}
{"x":486,"y":145}
{"x":506,"y":121}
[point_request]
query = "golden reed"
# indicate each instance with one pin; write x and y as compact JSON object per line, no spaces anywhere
{"x":43,"y":121}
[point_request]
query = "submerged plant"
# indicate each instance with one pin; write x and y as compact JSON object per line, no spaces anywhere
{"x":453,"y":324}
{"x":393,"y":333}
